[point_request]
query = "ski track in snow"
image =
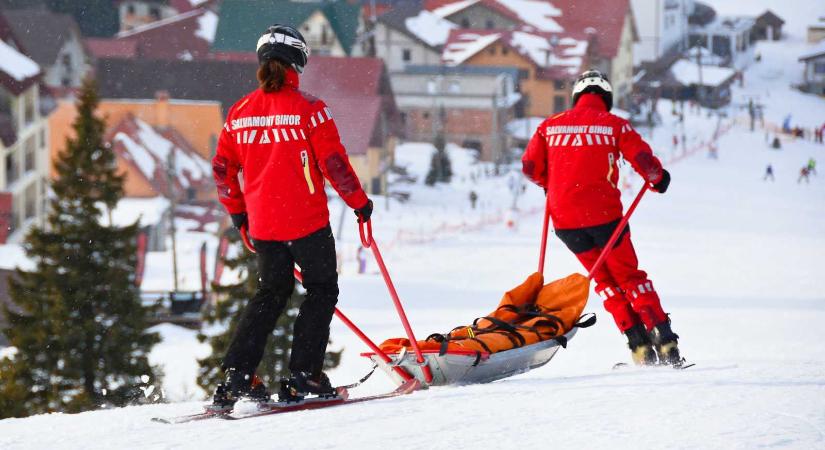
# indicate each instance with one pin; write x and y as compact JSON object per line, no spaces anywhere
{"x":736,"y":260}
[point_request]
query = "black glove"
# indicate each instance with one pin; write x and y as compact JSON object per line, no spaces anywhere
{"x":664,"y":182}
{"x":363,"y":213}
{"x":239,"y":220}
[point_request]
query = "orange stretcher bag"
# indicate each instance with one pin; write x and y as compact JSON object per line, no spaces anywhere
{"x":529,"y":313}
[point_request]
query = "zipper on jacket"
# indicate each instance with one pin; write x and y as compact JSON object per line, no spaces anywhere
{"x":305,"y":163}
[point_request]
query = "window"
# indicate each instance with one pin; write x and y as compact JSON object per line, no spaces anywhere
{"x":454,"y":87}
{"x":403,"y":118}
{"x":819,"y":68}
{"x":505,"y":50}
{"x":406,"y":55}
{"x":130,"y":9}
{"x":12,"y":170}
{"x":425,"y":115}
{"x":30,"y":205}
{"x":558,"y":84}
{"x":491,"y":50}
{"x":66,"y":82}
{"x":28,"y":107}
{"x":489,"y":24}
{"x":154,"y":12}
{"x":465,"y":23}
{"x":29,"y":154}
{"x":67,"y":60}
{"x":324,"y":35}
{"x":559,"y":103}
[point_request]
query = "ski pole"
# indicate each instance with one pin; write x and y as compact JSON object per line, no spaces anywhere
{"x":364,"y":338}
{"x":365,"y":230}
{"x":617,"y":232}
{"x":544,"y":232}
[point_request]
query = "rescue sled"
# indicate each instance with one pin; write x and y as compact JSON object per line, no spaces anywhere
{"x":468,"y":367}
{"x":531,"y":323}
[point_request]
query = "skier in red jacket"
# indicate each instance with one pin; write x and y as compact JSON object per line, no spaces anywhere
{"x":286,"y":143}
{"x":574,"y":156}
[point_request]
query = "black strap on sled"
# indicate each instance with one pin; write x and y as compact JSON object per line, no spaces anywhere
{"x":586,"y":323}
{"x":362,"y":380}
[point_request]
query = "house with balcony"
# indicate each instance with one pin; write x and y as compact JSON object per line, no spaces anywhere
{"x":608,"y":26}
{"x":23,"y":140}
{"x":54,"y":42}
{"x":814,"y":74}
{"x":728,"y":37}
{"x":662,"y":26}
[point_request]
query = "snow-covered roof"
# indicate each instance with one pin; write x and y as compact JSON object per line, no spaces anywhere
{"x":814,"y":52}
{"x":727,"y":24}
{"x":687,"y":73}
{"x":464,"y":44}
{"x":430,"y":28}
{"x":149,"y":150}
{"x":566,"y":54}
{"x":607,"y":17}
{"x":539,"y":14}
{"x":15,"y":64}
{"x":452,"y":8}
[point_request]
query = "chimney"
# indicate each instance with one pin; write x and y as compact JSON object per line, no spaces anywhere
{"x":162,"y":109}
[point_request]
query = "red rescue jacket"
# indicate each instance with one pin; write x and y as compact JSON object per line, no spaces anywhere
{"x":575,"y":155}
{"x":285,"y":142}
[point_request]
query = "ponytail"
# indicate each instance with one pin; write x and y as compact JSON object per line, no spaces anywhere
{"x":271,"y":76}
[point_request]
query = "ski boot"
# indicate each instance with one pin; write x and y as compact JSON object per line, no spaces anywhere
{"x":640,"y":346}
{"x":236,"y":386}
{"x":665,"y":341}
{"x":301,"y":384}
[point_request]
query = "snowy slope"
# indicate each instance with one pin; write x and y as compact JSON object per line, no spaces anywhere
{"x":737,"y":261}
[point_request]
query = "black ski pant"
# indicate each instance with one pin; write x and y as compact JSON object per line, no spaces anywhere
{"x":315,"y":254}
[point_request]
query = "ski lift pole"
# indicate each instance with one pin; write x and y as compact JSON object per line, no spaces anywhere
{"x":365,"y":230}
{"x":364,"y":338}
{"x":617,"y":232}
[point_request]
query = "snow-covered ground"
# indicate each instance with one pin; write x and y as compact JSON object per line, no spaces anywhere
{"x":737,"y":261}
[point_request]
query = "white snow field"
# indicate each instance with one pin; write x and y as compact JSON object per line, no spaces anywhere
{"x":736,"y":260}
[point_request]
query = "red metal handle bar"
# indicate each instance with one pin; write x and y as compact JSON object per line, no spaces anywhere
{"x":365,"y":230}
{"x":617,"y":232}
{"x":364,"y":338}
{"x":544,"y":230}
{"x":384,"y":357}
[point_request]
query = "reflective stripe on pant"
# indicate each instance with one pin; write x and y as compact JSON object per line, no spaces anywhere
{"x":627,"y":292}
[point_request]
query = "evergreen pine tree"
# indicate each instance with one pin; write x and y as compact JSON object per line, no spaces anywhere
{"x":441,"y":170}
{"x":232,"y":298}
{"x":81,"y":337}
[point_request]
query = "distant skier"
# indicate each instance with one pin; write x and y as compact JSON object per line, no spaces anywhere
{"x":473,"y":199}
{"x":768,"y":173}
{"x":574,"y":155}
{"x":804,"y":174}
{"x":286,"y":142}
{"x":812,"y":166}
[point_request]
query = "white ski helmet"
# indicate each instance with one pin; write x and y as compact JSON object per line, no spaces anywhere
{"x":283,"y":43}
{"x":595,"y":82}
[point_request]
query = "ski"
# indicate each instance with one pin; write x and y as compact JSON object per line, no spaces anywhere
{"x":624,"y":365}
{"x":266,"y":409}
{"x":318,"y":403}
